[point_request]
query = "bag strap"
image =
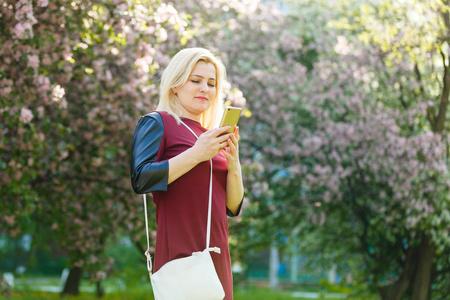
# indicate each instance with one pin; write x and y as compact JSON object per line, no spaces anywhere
{"x":147,"y":252}
{"x":208,"y":226}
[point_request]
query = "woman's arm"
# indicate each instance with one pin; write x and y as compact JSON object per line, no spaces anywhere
{"x":235,"y":186}
{"x":206,"y":147}
{"x":147,"y":175}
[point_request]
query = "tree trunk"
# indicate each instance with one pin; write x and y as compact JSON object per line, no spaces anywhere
{"x":72,"y":286}
{"x":100,"y":290}
{"x":399,"y":288}
{"x":422,"y":279}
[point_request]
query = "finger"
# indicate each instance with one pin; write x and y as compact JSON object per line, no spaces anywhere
{"x":234,"y":141}
{"x":234,"y":138}
{"x":226,"y":153}
{"x":224,"y":138}
{"x":236,"y":133}
{"x":233,"y":147}
{"x":221,"y":130}
{"x":213,"y":133}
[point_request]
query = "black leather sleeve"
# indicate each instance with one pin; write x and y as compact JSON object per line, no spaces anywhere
{"x":231,"y":214}
{"x":146,"y":174}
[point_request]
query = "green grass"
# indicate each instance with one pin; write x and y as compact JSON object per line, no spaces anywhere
{"x":140,"y":288}
{"x":249,"y":294}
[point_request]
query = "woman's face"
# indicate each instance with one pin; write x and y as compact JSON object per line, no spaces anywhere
{"x":197,"y":94}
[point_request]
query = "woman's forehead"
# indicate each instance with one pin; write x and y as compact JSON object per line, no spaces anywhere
{"x":204,"y":69}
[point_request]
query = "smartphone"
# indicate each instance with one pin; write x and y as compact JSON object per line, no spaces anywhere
{"x":231,"y":117}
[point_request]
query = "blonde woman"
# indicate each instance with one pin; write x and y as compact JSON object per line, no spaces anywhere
{"x":171,"y":163}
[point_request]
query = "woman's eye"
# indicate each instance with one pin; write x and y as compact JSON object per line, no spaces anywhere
{"x":195,"y":81}
{"x":211,"y":85}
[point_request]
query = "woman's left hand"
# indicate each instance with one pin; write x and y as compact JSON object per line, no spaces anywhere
{"x":231,"y":152}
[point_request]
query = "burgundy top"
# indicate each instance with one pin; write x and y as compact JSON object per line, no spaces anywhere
{"x":182,"y":210}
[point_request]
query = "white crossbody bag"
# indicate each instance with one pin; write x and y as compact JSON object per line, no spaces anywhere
{"x":188,"y":278}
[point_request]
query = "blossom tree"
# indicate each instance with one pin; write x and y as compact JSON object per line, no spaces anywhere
{"x":75,"y":76}
{"x":409,"y":77}
{"x":343,"y":141}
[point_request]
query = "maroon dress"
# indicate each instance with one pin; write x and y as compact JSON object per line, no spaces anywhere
{"x":182,"y":209}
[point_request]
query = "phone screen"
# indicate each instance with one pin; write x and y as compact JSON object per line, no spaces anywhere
{"x":231,"y":117}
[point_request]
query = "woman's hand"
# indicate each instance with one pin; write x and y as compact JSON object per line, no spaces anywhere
{"x":235,"y":186}
{"x":231,"y":152}
{"x":211,"y":142}
{"x":208,"y":145}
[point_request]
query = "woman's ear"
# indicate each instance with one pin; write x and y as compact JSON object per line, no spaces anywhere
{"x":174,"y":90}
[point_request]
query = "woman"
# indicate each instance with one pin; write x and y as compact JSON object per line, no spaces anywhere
{"x":169,"y":161}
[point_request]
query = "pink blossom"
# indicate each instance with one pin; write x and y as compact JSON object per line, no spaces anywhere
{"x":25,"y":115}
{"x":43,"y":83}
{"x":23,"y":10}
{"x":46,"y":60}
{"x":100,"y":275}
{"x":42,"y":3}
{"x":237,"y":98}
{"x":342,"y":46}
{"x":10,"y":220}
{"x":79,"y":263}
{"x":327,"y":197}
{"x":5,"y":91}
{"x":33,"y":61}
{"x":23,"y":30}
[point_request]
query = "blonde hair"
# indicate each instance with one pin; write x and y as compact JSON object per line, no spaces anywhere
{"x":177,"y":73}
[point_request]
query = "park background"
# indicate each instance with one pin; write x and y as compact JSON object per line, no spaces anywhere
{"x":344,"y":143}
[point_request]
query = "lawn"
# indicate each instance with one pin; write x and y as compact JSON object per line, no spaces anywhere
{"x":47,"y":288}
{"x":250,"y":294}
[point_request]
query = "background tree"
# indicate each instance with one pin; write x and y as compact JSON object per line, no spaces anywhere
{"x":75,"y":77}
{"x":331,"y":146}
{"x":412,"y":44}
{"x":381,"y":152}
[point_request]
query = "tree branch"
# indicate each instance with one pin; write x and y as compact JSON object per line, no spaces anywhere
{"x":446,"y":17}
{"x":431,"y":116}
{"x":441,"y":117}
{"x":402,"y":100}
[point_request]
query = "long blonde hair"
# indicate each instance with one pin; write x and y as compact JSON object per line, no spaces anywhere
{"x":177,"y":73}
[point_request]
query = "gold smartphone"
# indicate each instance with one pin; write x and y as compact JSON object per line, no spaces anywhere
{"x":231,"y":117}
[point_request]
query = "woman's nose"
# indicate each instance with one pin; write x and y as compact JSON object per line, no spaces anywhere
{"x":204,"y":87}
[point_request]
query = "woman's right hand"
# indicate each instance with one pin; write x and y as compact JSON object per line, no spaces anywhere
{"x":206,"y":147}
{"x":210,"y":143}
